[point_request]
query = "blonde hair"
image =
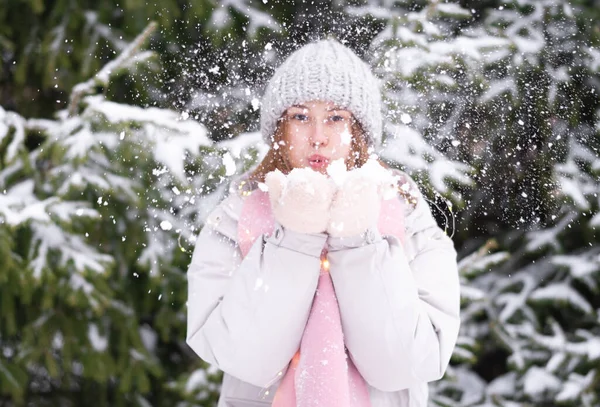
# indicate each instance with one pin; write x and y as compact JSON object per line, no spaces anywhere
{"x":276,"y":158}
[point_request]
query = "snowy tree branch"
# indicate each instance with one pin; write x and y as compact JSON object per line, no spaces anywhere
{"x":102,"y":77}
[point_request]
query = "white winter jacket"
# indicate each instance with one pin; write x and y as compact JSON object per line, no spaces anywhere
{"x":399,"y":304}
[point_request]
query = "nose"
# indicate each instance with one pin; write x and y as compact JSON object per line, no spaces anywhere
{"x":318,"y":136}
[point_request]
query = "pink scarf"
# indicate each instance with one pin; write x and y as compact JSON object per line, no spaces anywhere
{"x":320,"y":373}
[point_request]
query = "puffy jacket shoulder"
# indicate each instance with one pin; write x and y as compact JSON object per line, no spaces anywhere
{"x":224,"y":218}
{"x":418,"y":216}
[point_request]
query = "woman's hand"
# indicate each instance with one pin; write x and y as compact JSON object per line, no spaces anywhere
{"x":301,"y":200}
{"x":357,"y":202}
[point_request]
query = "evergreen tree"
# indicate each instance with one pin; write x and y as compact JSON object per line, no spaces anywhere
{"x":509,"y":91}
{"x":543,"y":303}
{"x":98,"y":209}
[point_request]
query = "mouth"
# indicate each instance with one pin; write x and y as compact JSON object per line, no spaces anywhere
{"x":317,"y":161}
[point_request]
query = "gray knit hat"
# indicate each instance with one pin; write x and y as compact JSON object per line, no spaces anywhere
{"x":329,"y":71}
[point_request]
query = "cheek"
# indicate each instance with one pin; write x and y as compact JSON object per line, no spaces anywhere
{"x":296,"y":145}
{"x":341,"y":144}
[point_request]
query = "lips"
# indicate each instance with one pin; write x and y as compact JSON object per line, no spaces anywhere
{"x":318,"y":161}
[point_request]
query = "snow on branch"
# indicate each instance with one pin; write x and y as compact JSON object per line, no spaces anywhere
{"x":102,"y":77}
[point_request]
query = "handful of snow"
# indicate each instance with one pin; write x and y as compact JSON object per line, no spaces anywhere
{"x":306,"y":177}
{"x":371,"y":171}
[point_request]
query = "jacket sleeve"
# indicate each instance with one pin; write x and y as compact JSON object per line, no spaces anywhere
{"x":400,"y":306}
{"x":247,"y":316}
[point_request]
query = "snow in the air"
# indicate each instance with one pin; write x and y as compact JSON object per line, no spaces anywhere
{"x":492,"y":110}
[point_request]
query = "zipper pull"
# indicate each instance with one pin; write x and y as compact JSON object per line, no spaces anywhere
{"x":266,"y":391}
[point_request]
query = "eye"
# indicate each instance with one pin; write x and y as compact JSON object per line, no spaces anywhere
{"x":299,"y":116}
{"x":337,"y":118}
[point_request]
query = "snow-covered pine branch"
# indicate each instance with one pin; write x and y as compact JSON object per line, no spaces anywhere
{"x":123,"y":61}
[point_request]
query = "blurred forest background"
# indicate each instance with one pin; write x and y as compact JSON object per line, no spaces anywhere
{"x":122,"y":122}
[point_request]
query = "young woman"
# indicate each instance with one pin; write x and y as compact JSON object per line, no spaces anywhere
{"x":309,"y":288}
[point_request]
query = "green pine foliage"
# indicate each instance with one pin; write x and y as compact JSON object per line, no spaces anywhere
{"x":47,"y":47}
{"x":98,"y":209}
{"x":507,"y":85}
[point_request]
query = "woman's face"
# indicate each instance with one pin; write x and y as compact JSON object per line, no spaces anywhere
{"x":315,"y":134}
